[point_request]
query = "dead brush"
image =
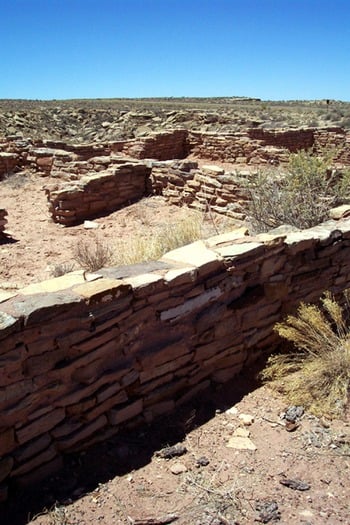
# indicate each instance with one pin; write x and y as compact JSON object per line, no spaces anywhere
{"x":212,"y":497}
{"x":317,"y":374}
{"x":92,"y":254}
{"x":60,"y":269}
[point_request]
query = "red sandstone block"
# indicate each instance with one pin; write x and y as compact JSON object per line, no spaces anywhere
{"x":117,"y":416}
{"x":228,"y":342}
{"x":255,"y":336}
{"x":78,"y":393}
{"x":154,"y":356}
{"x":43,"y":471}
{"x":152,"y":372}
{"x":251,"y":316}
{"x":227,"y":326}
{"x":157,"y":298}
{"x":108,"y":391}
{"x":7,"y":441}
{"x":6,"y":465}
{"x":81,"y":407}
{"x":93,"y":341}
{"x":81,"y":435}
{"x":226,"y":359}
{"x":10,"y":361}
{"x":9,"y":343}
{"x":130,"y":377}
{"x":187,"y":290}
{"x":164,"y":407}
{"x":66,"y":427}
{"x":118,"y":399}
{"x":43,"y":457}
{"x":39,"y":426}
{"x":155,"y":383}
{"x":14,"y":393}
{"x":40,"y":364}
{"x":33,"y":448}
{"x":145,"y":315}
{"x":166,"y":392}
{"x":278,"y":290}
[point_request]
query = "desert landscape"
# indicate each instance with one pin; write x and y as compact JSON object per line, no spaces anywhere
{"x":103,"y":189}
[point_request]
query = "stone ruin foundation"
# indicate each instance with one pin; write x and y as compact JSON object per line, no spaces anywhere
{"x":84,"y":356}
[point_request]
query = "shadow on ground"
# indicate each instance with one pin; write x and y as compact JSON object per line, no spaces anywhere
{"x":7,"y":239}
{"x":127,"y":451}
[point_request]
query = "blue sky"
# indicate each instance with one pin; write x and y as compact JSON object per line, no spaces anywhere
{"x":271,"y":49}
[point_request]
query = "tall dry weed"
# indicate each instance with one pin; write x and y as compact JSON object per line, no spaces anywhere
{"x":316,"y":374}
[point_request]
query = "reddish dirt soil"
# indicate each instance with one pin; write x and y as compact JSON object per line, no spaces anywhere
{"x":123,"y":481}
{"x":38,"y":244}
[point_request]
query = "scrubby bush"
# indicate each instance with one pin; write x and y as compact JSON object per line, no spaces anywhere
{"x":92,"y":254}
{"x":315,"y":373}
{"x":299,"y":194}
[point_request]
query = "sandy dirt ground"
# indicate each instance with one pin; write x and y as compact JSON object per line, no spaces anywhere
{"x":226,"y":459}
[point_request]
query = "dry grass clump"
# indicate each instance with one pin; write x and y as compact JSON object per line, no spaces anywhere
{"x":140,"y":248}
{"x":60,"y":269}
{"x":93,"y":254}
{"x":317,"y":374}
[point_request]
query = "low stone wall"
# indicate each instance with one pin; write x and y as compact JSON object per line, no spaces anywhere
{"x":162,"y":146}
{"x":255,"y":147}
{"x":293,"y":139}
{"x":98,"y":193}
{"x":8,"y":162}
{"x":260,"y":146}
{"x":208,"y":188}
{"x":3,"y":222}
{"x":82,"y":359}
{"x":337,"y":139}
{"x":235,"y":148}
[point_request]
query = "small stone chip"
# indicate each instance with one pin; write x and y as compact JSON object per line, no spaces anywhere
{"x":295,"y":484}
{"x":171,"y":452}
{"x":268,"y":511}
{"x":241,"y":432}
{"x":202,"y":462}
{"x":241,"y":443}
{"x":246,"y":419}
{"x":178,"y":468}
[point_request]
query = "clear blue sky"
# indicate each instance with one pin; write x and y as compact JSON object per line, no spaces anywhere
{"x":271,"y":49}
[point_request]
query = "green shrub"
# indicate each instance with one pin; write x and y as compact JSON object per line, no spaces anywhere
{"x":299,"y":194}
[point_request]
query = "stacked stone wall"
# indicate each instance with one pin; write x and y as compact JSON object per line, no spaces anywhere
{"x":89,"y":358}
{"x":255,"y":146}
{"x":8,"y":163}
{"x":259,"y":146}
{"x":336,"y":139}
{"x":98,"y":193}
{"x":160,"y":146}
{"x":208,"y":188}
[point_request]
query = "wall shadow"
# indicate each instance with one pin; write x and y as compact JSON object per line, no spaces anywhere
{"x":129,"y":450}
